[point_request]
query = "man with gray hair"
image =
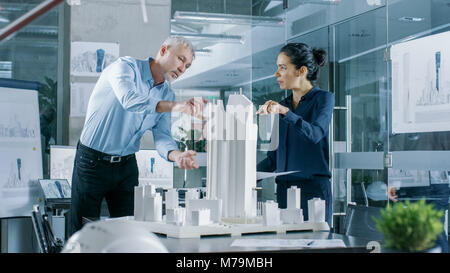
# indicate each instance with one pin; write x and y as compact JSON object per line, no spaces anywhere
{"x":130,"y":97}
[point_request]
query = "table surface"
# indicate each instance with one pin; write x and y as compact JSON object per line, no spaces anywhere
{"x":223,"y":243}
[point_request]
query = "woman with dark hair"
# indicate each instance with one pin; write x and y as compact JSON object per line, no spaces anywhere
{"x":304,"y":122}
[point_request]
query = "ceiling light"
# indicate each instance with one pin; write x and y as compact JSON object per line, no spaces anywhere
{"x":220,"y":18}
{"x":373,"y":2}
{"x":411,"y":19}
{"x":223,"y":38}
{"x":202,"y":50}
{"x":322,"y":2}
{"x":73,"y":2}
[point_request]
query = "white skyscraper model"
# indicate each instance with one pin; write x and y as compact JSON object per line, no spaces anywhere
{"x":271,"y":214}
{"x":293,"y":198}
{"x":153,"y":208}
{"x":231,"y":166}
{"x":316,"y":210}
{"x":293,"y":214}
{"x":147,"y":204}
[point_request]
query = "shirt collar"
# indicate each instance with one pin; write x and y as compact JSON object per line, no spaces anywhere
{"x":146,"y":72}
{"x":307,"y":96}
{"x":310,"y":93}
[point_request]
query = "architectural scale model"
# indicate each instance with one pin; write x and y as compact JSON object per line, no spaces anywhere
{"x":230,"y":206}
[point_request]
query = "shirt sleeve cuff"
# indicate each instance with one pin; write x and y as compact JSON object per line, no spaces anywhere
{"x":292,"y":117}
{"x":164,"y":150}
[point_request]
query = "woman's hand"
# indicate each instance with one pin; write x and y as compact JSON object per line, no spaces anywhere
{"x":272,"y":107}
{"x":193,"y":107}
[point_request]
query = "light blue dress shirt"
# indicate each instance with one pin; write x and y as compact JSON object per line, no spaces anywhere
{"x":123,"y":106}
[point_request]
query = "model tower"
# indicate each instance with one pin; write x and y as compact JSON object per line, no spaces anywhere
{"x":231,"y":166}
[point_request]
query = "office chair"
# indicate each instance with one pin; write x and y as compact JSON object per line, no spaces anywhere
{"x":44,"y":233}
{"x":359,"y":222}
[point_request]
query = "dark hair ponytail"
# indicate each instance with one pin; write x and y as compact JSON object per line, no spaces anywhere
{"x":302,"y":55}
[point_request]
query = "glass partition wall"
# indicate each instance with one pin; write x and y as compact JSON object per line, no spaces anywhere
{"x":221,"y":34}
{"x":419,"y":106}
{"x":387,"y":66}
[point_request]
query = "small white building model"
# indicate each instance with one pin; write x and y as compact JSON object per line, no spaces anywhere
{"x":293,"y":214}
{"x":201,"y":217}
{"x":316,"y":210}
{"x":176,"y":216}
{"x":147,"y":203}
{"x":231,"y":163}
{"x":153,"y":208}
{"x":191,"y":194}
{"x":293,"y":198}
{"x":171,"y":199}
{"x":271,"y":213}
{"x":139,"y":203}
{"x":215,"y":207}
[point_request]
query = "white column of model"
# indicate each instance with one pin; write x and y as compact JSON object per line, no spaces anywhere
{"x":231,"y":174}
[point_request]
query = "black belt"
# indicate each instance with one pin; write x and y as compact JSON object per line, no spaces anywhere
{"x":103,"y":156}
{"x":116,"y":158}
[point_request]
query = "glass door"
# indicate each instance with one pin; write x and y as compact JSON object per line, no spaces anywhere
{"x":360,"y":119}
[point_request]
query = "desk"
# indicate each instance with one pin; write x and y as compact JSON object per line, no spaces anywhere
{"x":220,"y":244}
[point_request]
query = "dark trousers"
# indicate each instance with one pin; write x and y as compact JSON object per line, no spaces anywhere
{"x":95,"y":178}
{"x":309,"y":189}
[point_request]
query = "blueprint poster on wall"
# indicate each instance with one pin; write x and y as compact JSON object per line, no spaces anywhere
{"x":20,"y":149}
{"x":153,"y":169}
{"x":90,"y":59}
{"x":61,"y":162}
{"x":421,"y":85}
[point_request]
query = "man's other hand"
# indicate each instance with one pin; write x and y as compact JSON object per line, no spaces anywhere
{"x":184,"y":160}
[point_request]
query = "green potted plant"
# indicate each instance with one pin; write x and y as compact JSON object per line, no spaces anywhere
{"x":410,"y":227}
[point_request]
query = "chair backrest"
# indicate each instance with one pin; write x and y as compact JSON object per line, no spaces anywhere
{"x":44,"y":233}
{"x":359,"y":222}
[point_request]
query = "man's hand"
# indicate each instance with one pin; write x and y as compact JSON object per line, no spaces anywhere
{"x":272,"y":107}
{"x":392,"y":195}
{"x":184,"y":160}
{"x":193,"y":107}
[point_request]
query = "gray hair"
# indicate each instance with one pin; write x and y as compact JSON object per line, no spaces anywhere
{"x":175,"y":41}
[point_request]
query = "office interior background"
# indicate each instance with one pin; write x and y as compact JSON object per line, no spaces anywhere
{"x":383,"y":135}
